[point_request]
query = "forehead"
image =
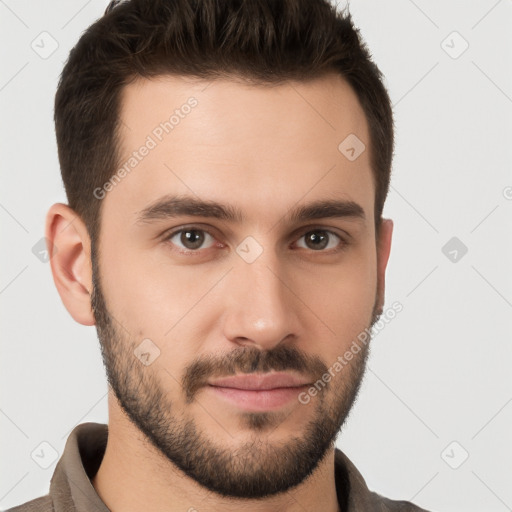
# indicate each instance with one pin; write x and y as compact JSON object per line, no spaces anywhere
{"x":230,"y":141}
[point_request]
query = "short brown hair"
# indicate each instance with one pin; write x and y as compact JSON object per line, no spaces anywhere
{"x":263,"y":41}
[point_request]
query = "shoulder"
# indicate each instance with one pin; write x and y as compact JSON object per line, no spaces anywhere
{"x":359,"y":496}
{"x":42,"y":504}
{"x":382,"y":504}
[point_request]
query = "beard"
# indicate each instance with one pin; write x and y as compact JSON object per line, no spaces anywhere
{"x":255,"y":469}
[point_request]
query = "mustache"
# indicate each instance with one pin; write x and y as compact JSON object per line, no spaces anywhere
{"x":249,"y":360}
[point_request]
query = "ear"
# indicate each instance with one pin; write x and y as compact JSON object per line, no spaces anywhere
{"x":69,"y":249}
{"x":383,"y":249}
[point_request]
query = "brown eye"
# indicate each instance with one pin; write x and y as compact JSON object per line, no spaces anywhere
{"x":320,"y":239}
{"x":191,"y":239}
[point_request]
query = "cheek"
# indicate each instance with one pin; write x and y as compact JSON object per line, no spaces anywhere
{"x":342,"y":298}
{"x":153,"y":299}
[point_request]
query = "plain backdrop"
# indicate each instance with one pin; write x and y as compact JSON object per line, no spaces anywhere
{"x":433,"y":420}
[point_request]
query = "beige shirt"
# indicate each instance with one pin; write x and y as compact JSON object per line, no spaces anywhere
{"x":71,"y":489}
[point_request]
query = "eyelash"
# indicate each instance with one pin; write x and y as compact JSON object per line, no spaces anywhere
{"x":343,"y":242}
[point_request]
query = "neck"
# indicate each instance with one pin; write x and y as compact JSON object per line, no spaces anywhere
{"x":134,"y":476}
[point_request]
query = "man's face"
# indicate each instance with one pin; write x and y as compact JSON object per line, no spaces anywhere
{"x":262,"y":292}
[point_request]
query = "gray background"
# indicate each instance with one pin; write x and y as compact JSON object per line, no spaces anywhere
{"x":438,"y":387}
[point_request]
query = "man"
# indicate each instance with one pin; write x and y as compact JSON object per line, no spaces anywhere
{"x":226,"y":165}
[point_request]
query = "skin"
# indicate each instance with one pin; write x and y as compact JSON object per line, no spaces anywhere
{"x":264,"y":150}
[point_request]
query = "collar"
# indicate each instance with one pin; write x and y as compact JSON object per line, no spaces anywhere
{"x":71,"y":489}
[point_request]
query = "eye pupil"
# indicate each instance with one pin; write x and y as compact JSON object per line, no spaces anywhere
{"x":192,"y":238}
{"x":317,"y":239}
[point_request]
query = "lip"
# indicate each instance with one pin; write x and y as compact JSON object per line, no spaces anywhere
{"x":258,"y":393}
{"x":261,"y":382}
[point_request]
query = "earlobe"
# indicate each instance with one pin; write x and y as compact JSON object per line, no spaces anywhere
{"x":383,"y":251}
{"x":70,"y":259}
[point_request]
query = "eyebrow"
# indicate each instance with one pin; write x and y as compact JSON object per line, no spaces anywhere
{"x":169,"y":207}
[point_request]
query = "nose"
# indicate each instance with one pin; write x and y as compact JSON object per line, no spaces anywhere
{"x":260,"y":309}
